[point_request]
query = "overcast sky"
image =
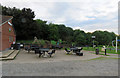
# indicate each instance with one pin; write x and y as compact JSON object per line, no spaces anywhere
{"x":87,"y":15}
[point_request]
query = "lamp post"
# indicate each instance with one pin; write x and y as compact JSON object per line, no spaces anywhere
{"x":93,"y":37}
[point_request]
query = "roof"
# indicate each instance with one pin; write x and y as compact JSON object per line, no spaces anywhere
{"x":4,"y":19}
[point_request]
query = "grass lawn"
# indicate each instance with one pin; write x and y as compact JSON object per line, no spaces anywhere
{"x":102,"y":58}
{"x":108,"y":51}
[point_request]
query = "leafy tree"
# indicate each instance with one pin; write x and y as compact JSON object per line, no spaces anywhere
{"x":88,"y":39}
{"x":79,"y":37}
{"x":53,"y":32}
{"x":103,"y":37}
{"x":62,"y":32}
{"x":22,"y":21}
{"x":42,"y":29}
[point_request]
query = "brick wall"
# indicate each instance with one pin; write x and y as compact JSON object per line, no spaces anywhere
{"x":6,"y":34}
{"x":0,"y":41}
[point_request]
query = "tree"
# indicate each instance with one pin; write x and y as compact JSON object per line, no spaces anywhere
{"x":103,"y":37}
{"x":79,"y":37}
{"x":53,"y":32}
{"x":42,"y":29}
{"x":88,"y":39}
{"x":22,"y":21}
{"x":62,"y":32}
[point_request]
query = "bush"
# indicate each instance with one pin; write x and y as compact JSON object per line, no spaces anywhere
{"x":53,"y":42}
{"x":42,"y":42}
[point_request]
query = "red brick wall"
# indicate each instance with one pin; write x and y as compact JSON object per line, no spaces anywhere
{"x":0,"y":40}
{"x":5,"y":35}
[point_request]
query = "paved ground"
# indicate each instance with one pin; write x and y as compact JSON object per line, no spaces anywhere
{"x":60,"y":55}
{"x":61,"y":65}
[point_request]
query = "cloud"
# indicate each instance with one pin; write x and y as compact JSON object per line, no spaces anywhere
{"x":108,"y":26}
{"x":89,"y":15}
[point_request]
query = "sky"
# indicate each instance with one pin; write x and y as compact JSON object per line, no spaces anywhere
{"x":87,"y":15}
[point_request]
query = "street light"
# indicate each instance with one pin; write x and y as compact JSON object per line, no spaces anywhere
{"x":93,"y":37}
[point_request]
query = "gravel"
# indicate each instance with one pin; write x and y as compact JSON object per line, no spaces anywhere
{"x":98,"y":67}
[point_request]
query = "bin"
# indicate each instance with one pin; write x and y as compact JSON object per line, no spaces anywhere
{"x":97,"y":51}
{"x":17,"y":46}
{"x":12,"y":46}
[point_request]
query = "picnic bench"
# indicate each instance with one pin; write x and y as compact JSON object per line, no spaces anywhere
{"x":31,"y":47}
{"x":76,"y":50}
{"x":39,"y":50}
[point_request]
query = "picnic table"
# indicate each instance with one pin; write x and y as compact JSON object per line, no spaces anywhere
{"x":43,"y":50}
{"x":79,"y":47}
{"x":76,"y":49}
{"x":73,"y":49}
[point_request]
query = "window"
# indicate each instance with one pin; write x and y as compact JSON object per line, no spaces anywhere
{"x":10,"y":39}
{"x":9,"y":29}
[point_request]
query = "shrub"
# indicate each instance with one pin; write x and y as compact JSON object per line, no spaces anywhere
{"x":53,"y":42}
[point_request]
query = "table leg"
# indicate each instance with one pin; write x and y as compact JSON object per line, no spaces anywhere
{"x":45,"y":54}
{"x":39,"y":54}
{"x":28,"y":51}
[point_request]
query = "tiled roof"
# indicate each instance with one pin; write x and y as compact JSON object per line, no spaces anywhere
{"x":4,"y":18}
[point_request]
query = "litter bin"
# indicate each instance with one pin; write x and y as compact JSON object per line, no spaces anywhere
{"x":17,"y":46}
{"x":12,"y":46}
{"x":97,"y":51}
{"x":105,"y":52}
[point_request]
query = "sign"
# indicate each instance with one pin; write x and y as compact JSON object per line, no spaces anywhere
{"x":93,"y":36}
{"x":118,"y":40}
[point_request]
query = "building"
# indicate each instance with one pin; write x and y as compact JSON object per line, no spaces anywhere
{"x":7,"y":32}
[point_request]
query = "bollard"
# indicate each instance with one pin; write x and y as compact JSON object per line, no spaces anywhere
{"x":105,"y":52}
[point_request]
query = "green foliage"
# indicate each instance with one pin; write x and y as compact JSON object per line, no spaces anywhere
{"x":42,"y":30}
{"x":42,"y":42}
{"x":53,"y":32}
{"x":53,"y":42}
{"x":22,"y":21}
{"x":79,"y":37}
{"x":60,"y":40}
{"x":104,"y":37}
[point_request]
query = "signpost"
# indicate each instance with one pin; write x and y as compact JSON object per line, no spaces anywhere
{"x":118,"y":40}
{"x":93,"y":37}
{"x":116,"y":43}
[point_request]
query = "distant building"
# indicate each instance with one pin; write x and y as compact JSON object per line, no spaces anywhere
{"x":7,"y":32}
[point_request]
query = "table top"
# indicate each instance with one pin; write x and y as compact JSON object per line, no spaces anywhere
{"x":73,"y":48}
{"x":76,"y":48}
{"x":44,"y":49}
{"x":79,"y":47}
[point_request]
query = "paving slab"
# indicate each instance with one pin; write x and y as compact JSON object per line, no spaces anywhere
{"x":6,"y":53}
{"x":12,"y":56}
